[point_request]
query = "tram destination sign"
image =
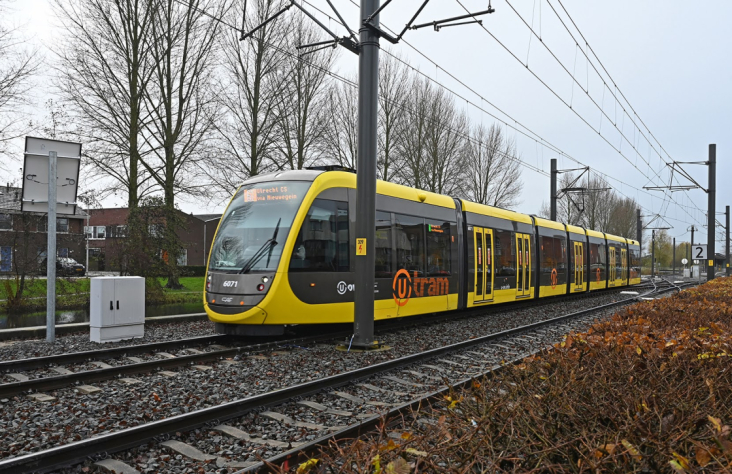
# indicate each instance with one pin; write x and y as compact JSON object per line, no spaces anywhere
{"x":269,"y":194}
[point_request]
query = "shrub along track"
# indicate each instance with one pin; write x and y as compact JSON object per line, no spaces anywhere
{"x":649,"y":390}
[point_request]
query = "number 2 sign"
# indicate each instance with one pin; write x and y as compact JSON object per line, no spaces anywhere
{"x":699,"y":252}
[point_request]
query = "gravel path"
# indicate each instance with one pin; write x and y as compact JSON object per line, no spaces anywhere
{"x":27,"y":425}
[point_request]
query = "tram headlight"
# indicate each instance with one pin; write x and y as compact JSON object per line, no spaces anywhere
{"x":260,"y":287}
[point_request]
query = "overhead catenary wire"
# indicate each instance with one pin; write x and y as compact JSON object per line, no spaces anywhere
{"x":537,"y":138}
{"x":617,"y":89}
{"x":353,"y":84}
{"x":583,"y":119}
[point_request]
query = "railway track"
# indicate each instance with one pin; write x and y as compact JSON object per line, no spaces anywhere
{"x":42,"y":374}
{"x":335,"y":406}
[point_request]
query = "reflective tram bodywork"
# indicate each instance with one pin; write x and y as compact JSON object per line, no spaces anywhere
{"x":284,"y":254}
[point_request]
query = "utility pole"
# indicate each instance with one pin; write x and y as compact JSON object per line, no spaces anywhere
{"x":673,"y":259}
{"x":639,"y":237}
{"x":367,"y":49}
{"x":726,"y":241}
{"x":553,"y":190}
{"x":51,"y":250}
{"x":368,"y":97}
{"x":653,"y":253}
{"x":711,"y":210}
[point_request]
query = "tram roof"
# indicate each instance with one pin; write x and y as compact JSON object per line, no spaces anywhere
{"x":549,"y":224}
{"x":482,"y":209}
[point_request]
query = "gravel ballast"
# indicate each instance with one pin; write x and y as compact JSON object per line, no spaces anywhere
{"x":30,"y":425}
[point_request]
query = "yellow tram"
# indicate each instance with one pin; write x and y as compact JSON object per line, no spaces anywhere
{"x":284,"y":254}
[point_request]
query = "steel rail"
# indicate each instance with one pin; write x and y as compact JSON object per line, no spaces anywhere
{"x":76,"y":357}
{"x":21,"y":365}
{"x":305,"y":451}
{"x":43,"y":461}
{"x":61,"y":381}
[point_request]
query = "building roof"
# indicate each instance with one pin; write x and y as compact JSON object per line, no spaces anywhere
{"x":207,"y":217}
{"x":10,"y":203}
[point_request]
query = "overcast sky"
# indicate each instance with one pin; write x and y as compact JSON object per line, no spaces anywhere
{"x":669,"y":58}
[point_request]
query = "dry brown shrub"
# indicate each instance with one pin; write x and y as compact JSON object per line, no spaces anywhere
{"x":648,"y":390}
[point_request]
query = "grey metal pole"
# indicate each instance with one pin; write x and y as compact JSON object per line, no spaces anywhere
{"x":692,"y":235}
{"x":86,"y":239}
{"x":553,"y":191}
{"x":51,"y":251}
{"x":712,"y":210}
{"x":639,"y":236}
{"x":653,"y":253}
{"x":368,"y":90}
{"x":673,"y":259}
{"x":726,"y":241}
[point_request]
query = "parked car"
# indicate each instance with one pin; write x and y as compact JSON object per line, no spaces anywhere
{"x":65,"y":266}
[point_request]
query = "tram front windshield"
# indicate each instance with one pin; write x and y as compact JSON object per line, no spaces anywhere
{"x":255,"y":226}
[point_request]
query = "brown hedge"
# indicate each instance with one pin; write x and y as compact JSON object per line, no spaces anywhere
{"x":648,"y":390}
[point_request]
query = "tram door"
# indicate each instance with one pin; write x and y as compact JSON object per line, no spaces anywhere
{"x":579,"y":266}
{"x":624,"y":266}
{"x":611,"y":267}
{"x":523,"y":273}
{"x":483,"y":240}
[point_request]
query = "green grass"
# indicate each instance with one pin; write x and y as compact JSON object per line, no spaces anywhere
{"x":69,"y":286}
{"x":189,"y":284}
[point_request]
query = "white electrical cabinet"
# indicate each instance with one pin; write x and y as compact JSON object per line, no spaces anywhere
{"x":117,"y":308}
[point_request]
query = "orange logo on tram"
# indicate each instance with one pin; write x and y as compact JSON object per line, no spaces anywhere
{"x":554,"y":278}
{"x":598,"y":275}
{"x":404,"y":285}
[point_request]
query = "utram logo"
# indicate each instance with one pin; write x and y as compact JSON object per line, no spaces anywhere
{"x":405,"y":285}
{"x":343,"y":287}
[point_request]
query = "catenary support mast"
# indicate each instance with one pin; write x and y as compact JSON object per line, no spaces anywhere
{"x":368,"y":90}
{"x":711,"y":211}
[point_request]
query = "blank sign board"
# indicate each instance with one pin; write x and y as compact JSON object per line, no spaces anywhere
{"x":35,"y":175}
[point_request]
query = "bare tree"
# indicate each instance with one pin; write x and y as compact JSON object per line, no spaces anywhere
{"x":598,"y":203}
{"x":180,"y":102}
{"x":105,"y":65}
{"x":447,"y":131}
{"x":413,"y":154}
{"x":623,"y":218}
{"x":17,"y":67}
{"x":492,"y":169}
{"x":254,"y":82}
{"x":340,"y":140}
{"x":430,"y":151}
{"x":303,"y":118}
{"x":393,"y":89}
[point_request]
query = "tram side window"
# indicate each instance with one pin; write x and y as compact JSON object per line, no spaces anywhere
{"x":322,"y":245}
{"x":505,"y":253}
{"x":634,"y":263}
{"x":383,"y":257}
{"x":409,"y":233}
{"x":597,"y":256}
{"x":548,"y":260}
{"x":560,"y":254}
{"x":438,"y":247}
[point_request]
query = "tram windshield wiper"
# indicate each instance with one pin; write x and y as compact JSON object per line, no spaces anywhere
{"x":266,"y":248}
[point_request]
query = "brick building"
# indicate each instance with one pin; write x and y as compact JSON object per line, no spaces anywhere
{"x":107,"y":226}
{"x":24,"y":235}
